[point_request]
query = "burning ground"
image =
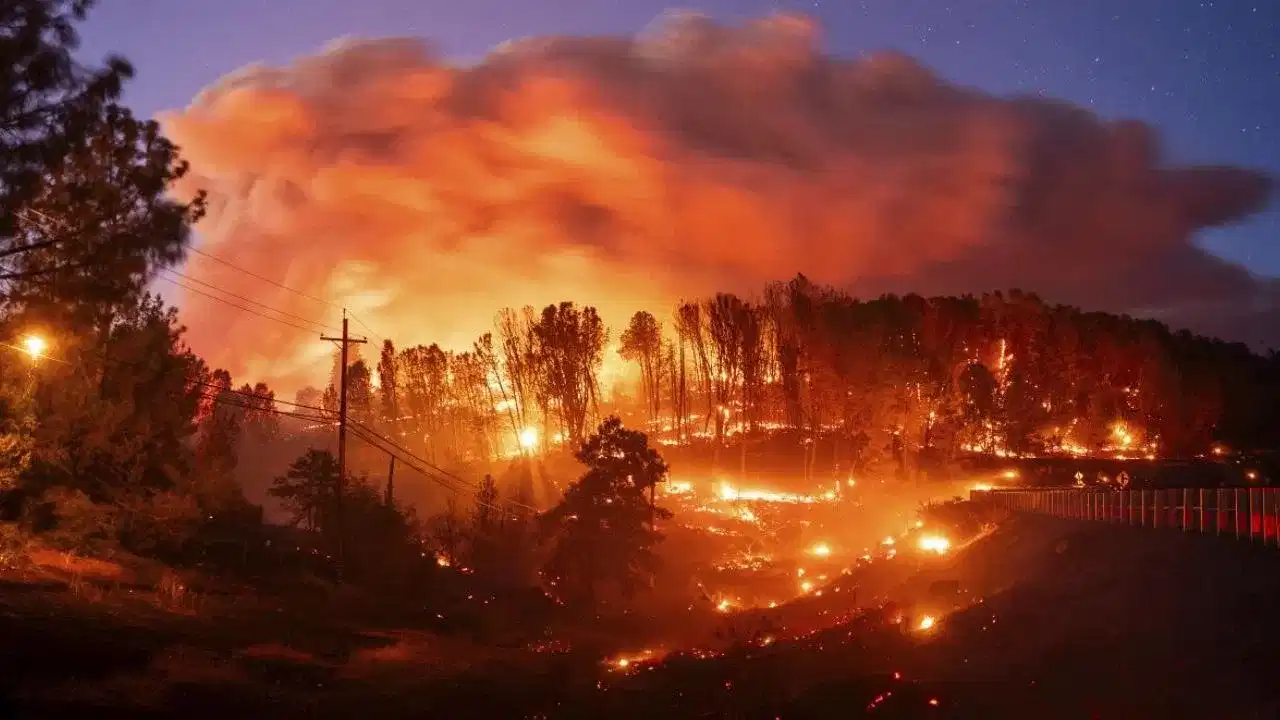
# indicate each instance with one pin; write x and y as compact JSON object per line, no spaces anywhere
{"x":1032,"y":614}
{"x":626,"y":172}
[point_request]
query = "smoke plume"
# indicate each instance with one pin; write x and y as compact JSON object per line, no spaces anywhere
{"x":628,"y":172}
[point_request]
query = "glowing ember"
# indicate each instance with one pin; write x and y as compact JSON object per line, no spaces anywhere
{"x":888,"y":541}
{"x":934,"y":543}
{"x":806,"y":586}
{"x":926,"y":623}
{"x":443,"y":561}
{"x":627,"y":662}
{"x":820,"y":550}
{"x":729,"y":493}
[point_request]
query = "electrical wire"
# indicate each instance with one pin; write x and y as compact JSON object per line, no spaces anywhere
{"x":282,"y":286}
{"x":234,"y":305}
{"x":251,"y":301}
{"x":474,"y":488}
{"x":268,"y":280}
{"x":437,"y":475}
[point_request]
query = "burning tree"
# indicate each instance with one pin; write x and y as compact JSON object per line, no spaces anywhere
{"x":569,"y":345}
{"x":642,"y":343}
{"x":604,"y":527}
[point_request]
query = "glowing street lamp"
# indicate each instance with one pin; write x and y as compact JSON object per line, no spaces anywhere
{"x":35,"y":346}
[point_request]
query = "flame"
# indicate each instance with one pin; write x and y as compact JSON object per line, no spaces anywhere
{"x":934,"y":543}
{"x":528,"y":438}
{"x":35,"y":345}
{"x":820,"y":550}
{"x":926,"y":623}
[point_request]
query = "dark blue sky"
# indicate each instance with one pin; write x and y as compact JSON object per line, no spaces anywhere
{"x":1207,"y":74}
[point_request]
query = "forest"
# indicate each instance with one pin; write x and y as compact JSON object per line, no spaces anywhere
{"x":893,"y":378}
{"x":113,"y":432}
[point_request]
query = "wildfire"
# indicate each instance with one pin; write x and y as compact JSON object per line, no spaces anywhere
{"x":35,"y":345}
{"x":729,"y":493}
{"x":679,"y":487}
{"x":926,"y":623}
{"x":528,"y":438}
{"x":625,"y":663}
{"x":935,"y":544}
{"x":820,"y":550}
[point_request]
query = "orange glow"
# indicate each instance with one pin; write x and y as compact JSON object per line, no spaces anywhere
{"x":935,"y":544}
{"x":35,"y":346}
{"x":528,"y":438}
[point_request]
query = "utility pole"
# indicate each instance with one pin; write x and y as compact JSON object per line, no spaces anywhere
{"x":346,"y":340}
{"x":391,"y":483}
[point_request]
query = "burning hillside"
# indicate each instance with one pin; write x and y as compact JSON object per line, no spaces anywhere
{"x":627,"y":172}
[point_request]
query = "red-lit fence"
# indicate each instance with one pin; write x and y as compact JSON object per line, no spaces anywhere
{"x":1246,"y":513}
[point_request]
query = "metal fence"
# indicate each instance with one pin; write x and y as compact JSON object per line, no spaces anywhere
{"x":1245,"y":513}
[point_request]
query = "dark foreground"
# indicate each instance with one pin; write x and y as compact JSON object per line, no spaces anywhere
{"x":1074,"y":620}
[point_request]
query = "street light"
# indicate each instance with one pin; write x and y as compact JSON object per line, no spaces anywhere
{"x":35,"y":346}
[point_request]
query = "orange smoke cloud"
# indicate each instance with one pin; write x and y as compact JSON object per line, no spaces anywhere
{"x":627,"y":172}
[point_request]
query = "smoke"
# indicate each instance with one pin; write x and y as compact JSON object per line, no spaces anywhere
{"x":628,"y":172}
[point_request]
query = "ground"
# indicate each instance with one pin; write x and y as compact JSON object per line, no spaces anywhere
{"x":1055,"y":618}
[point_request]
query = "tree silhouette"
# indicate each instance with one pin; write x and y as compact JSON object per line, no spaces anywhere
{"x":388,"y":384}
{"x":642,"y":344}
{"x":569,"y":345}
{"x":603,"y":529}
{"x":309,"y":489}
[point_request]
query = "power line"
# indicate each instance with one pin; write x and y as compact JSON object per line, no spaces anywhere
{"x":252,"y":274}
{"x":434,"y":477}
{"x":282,"y":286}
{"x":436,"y":474}
{"x":274,"y":399}
{"x":274,"y":411}
{"x":365,"y":325}
{"x":234,"y":305}
{"x":211,"y":286}
{"x":366,"y":429}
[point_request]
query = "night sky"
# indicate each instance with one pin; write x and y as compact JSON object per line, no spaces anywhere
{"x":1205,"y":73}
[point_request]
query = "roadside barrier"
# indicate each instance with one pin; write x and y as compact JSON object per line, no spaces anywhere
{"x":1245,"y":513}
